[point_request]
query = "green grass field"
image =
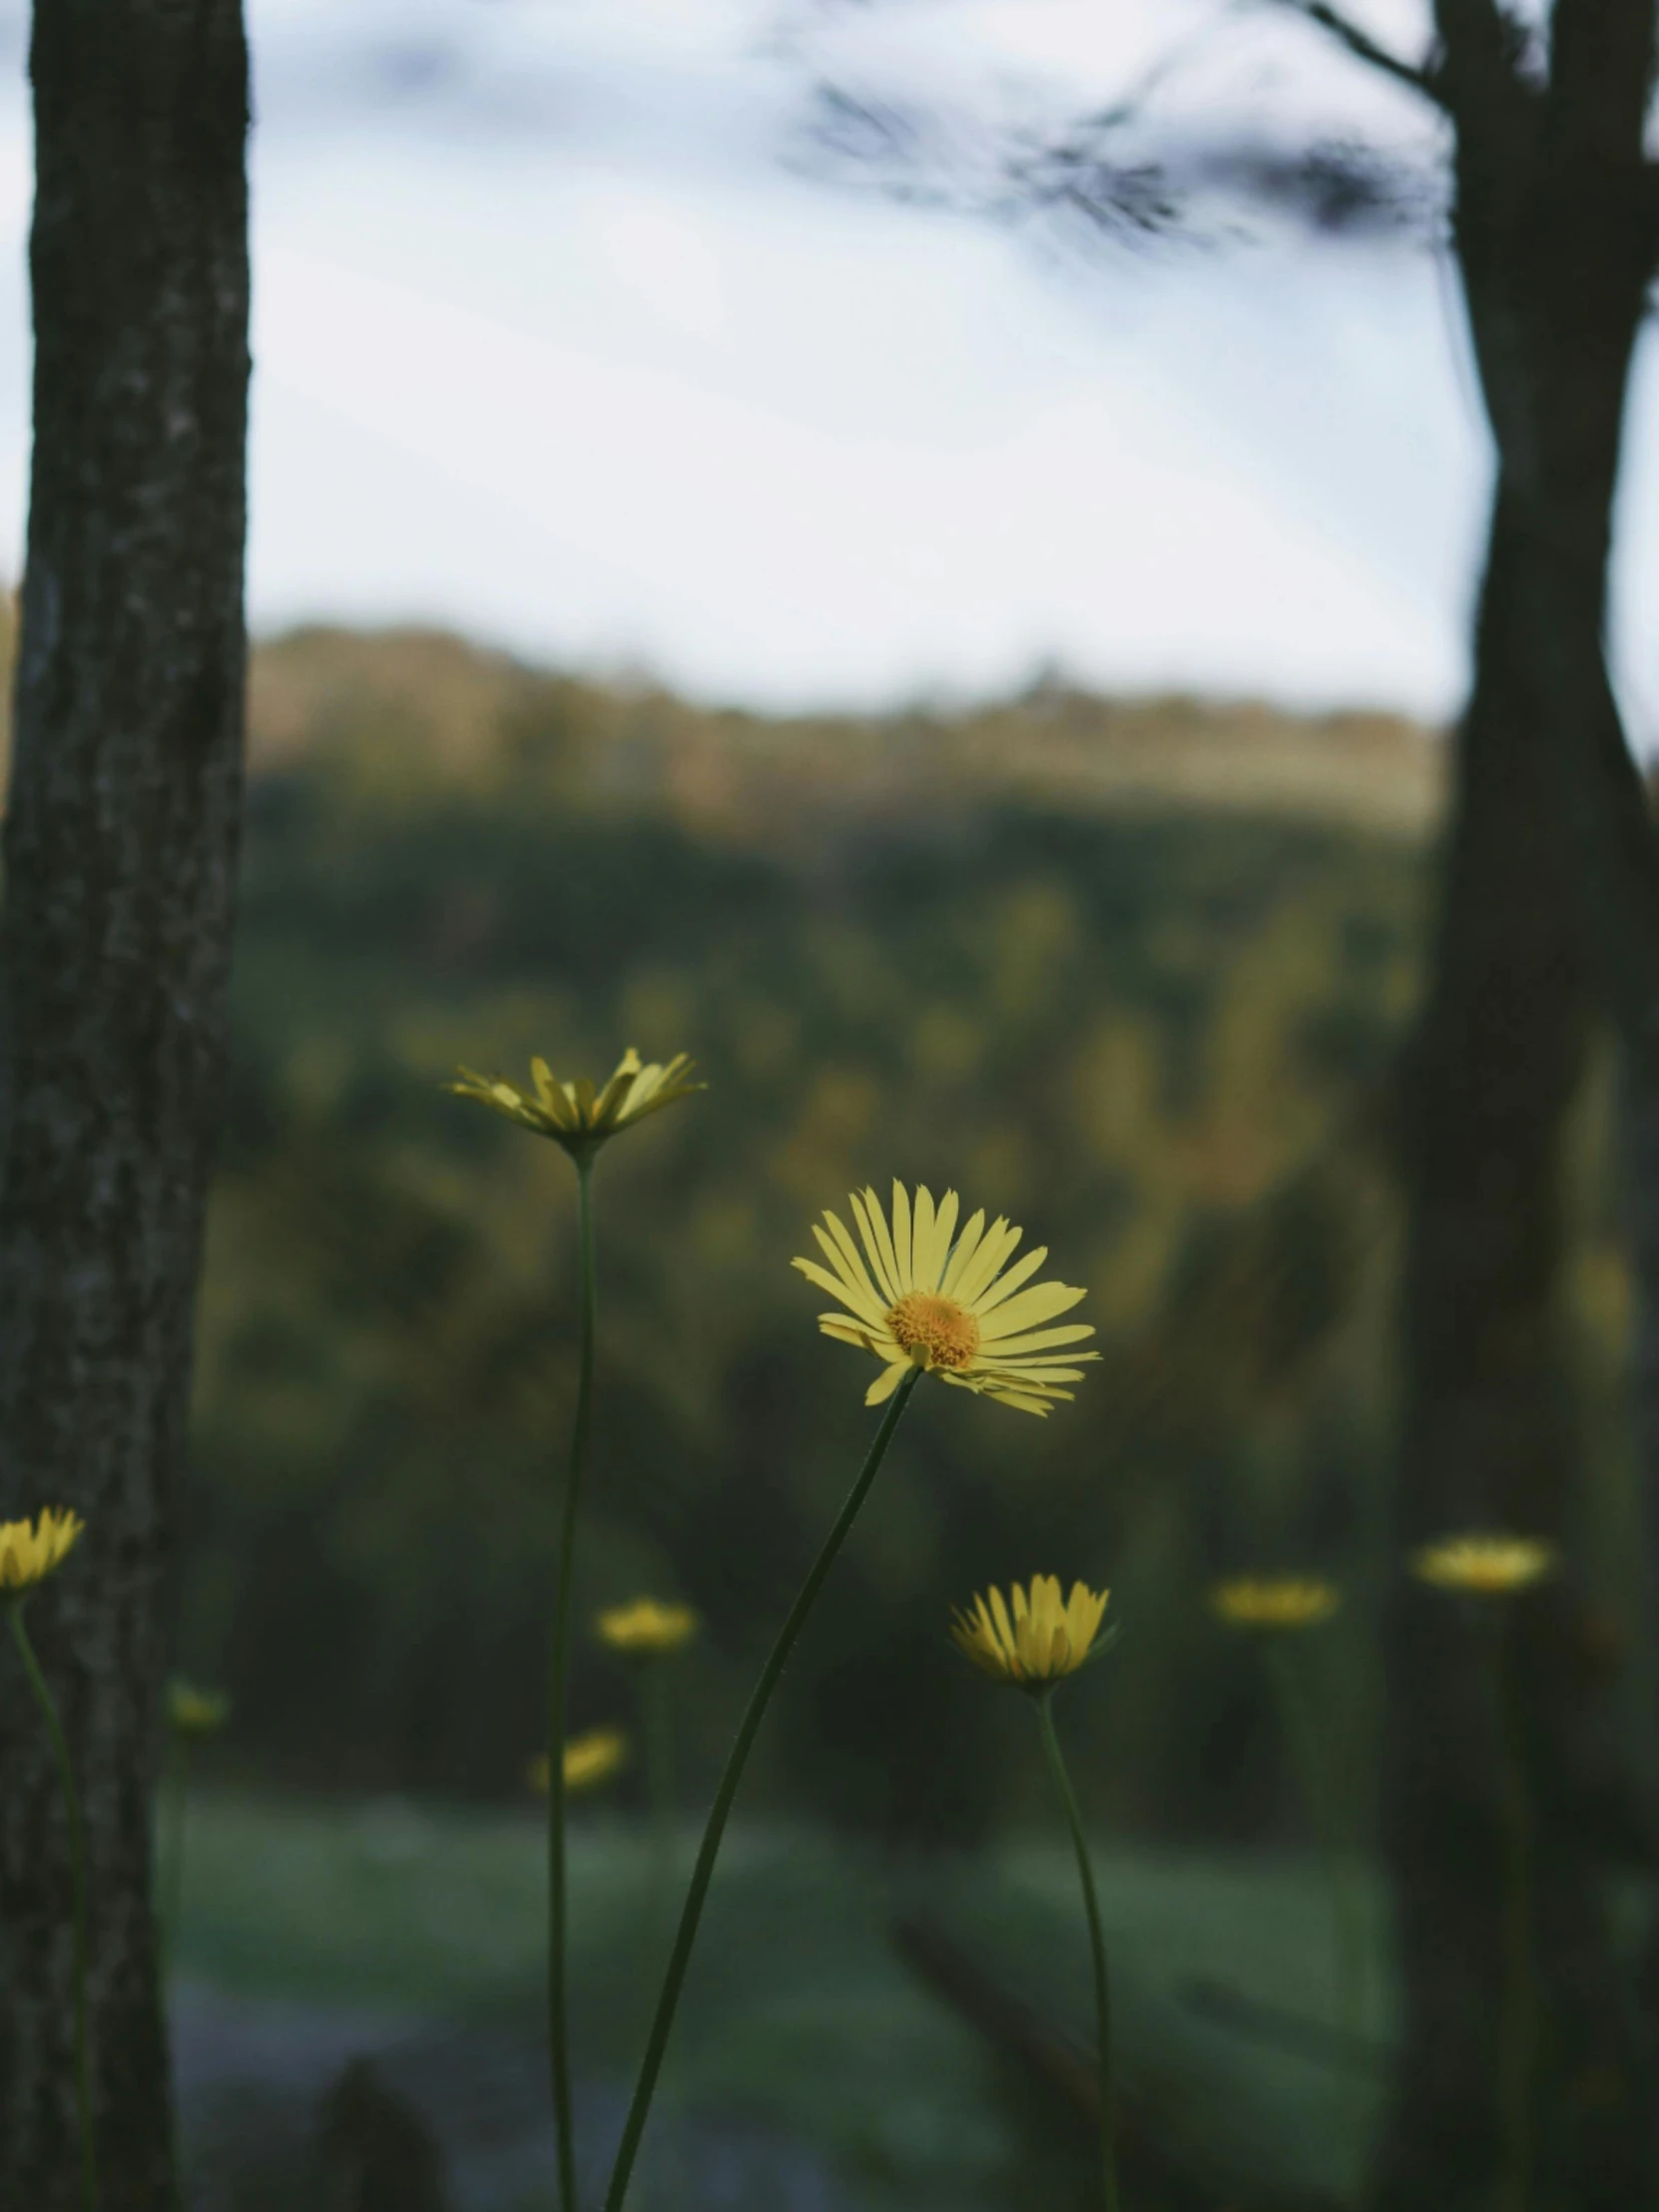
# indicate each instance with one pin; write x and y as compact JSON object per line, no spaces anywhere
{"x":800,"y":2013}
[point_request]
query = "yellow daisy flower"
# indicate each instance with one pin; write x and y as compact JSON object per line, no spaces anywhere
{"x":921,"y":1296}
{"x":590,"y":1759}
{"x":30,"y":1551}
{"x":645,"y":1629}
{"x":1038,"y":1640}
{"x":194,"y":1713}
{"x":574,"y":1114}
{"x":1280,"y":1602}
{"x":1484,"y":1564}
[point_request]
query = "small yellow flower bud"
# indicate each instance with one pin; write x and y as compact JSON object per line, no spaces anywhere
{"x":29,"y":1552}
{"x":645,"y":1629}
{"x":590,"y":1759}
{"x":1036,"y":1640}
{"x":573,"y":1113}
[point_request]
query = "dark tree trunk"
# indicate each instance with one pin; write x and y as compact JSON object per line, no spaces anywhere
{"x":1640,"y":1131}
{"x":1489,"y":1440}
{"x":119,"y":850}
{"x":1553,"y":249}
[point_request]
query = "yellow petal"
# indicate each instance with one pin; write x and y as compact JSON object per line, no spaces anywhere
{"x":852,"y":1266}
{"x":1042,"y":1339}
{"x":886,"y":1382}
{"x":835,"y":1286}
{"x":656,"y":1087}
{"x":906,"y":1276}
{"x":967,"y":1244}
{"x":852,"y":1332}
{"x":873,"y":1226}
{"x":1031,"y":1375}
{"x":945,"y":1228}
{"x":922,"y":1274}
{"x":1084,"y":1614}
{"x":1045,"y":1599}
{"x":1006,"y":1640}
{"x":996,"y":1360}
{"x":1043,"y":1302}
{"x":853,"y":1291}
{"x":994,"y":1247}
{"x":612,"y":1100}
{"x":1020,"y":1401}
{"x":1004,"y":1286}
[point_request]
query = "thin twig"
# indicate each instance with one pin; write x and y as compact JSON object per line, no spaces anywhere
{"x":1422,"y":77}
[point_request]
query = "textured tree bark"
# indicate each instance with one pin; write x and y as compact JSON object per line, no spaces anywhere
{"x":1553,"y":246}
{"x":120,"y":854}
{"x":1489,"y":1440}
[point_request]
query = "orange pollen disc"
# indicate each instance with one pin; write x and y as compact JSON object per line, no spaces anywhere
{"x":945,"y":1332}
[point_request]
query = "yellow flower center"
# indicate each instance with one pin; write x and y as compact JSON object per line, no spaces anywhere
{"x":944,"y":1332}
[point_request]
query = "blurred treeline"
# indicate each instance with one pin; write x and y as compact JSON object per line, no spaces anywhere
{"x":1007,"y":950}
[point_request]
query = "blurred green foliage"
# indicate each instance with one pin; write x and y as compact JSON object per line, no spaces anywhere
{"x":801,"y":2012}
{"x":1160,"y":1037}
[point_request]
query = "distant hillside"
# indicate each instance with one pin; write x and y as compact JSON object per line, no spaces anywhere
{"x":1134,"y":975}
{"x":429,"y":703}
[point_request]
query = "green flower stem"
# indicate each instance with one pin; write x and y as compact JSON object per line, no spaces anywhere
{"x":77,"y":1868}
{"x":657,"y":1739}
{"x":1097,"y":1949}
{"x":657,"y":1735}
{"x":685,"y":1938}
{"x":1518,"y":2049}
{"x":558,"y":1904}
{"x":1296,"y":1718}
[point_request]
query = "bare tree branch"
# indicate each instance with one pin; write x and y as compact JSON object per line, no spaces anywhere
{"x":1602,"y":56}
{"x":1485,"y":60}
{"x":1422,"y":77}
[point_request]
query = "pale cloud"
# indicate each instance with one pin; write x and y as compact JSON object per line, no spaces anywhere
{"x":553,"y":342}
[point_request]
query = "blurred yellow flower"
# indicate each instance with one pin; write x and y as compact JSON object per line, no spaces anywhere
{"x":194,"y":1713}
{"x":1276,"y":1602}
{"x":1036,"y":1639}
{"x":1485,"y":1563}
{"x":572,"y":1113}
{"x":919,"y":1296}
{"x":30,"y":1550}
{"x":645,"y":1629}
{"x":590,"y":1759}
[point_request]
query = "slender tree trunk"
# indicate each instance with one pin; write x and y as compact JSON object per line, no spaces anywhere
{"x":120,"y":850}
{"x":1489,"y":1438}
{"x":1639,"y":1113}
{"x":1549,"y":235}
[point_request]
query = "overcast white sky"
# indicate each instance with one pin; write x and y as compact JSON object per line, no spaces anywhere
{"x":553,"y":345}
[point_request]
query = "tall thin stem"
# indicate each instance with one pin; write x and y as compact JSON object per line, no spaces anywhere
{"x":558,"y":1908}
{"x":1097,"y":1951}
{"x":78,"y":1869}
{"x":1302,"y":1737}
{"x":748,"y":1727}
{"x":1518,"y":2049}
{"x":657,"y":1736}
{"x":657,"y":1730}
